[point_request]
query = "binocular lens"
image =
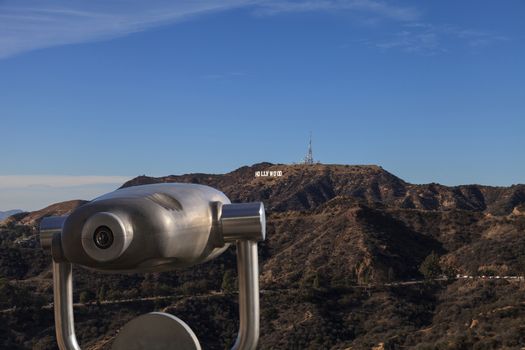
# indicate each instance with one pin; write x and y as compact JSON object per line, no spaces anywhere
{"x":103,"y":237}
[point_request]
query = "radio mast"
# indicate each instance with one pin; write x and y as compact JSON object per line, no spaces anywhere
{"x":309,"y":158}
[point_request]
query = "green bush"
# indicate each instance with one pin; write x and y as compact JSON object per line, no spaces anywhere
{"x":228,"y":282}
{"x":430,"y":267}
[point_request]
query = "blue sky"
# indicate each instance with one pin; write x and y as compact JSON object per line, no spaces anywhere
{"x":431,"y":91}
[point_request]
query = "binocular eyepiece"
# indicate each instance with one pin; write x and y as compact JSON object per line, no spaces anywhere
{"x":103,"y":237}
{"x":153,"y":228}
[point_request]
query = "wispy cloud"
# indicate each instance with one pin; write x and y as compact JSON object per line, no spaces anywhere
{"x":408,"y":41}
{"x":24,"y":181}
{"x":474,"y":38}
{"x":32,"y":24}
{"x":369,"y":7}
{"x":430,"y":39}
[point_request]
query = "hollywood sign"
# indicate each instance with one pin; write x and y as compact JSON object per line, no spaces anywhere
{"x":269,"y":173}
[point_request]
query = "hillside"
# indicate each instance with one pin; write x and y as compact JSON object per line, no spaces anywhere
{"x":8,"y":213}
{"x":307,"y":186}
{"x":340,"y":267}
{"x":57,"y":209}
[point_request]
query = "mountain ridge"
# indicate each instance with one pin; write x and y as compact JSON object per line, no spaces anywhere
{"x":318,"y":183}
{"x":303,"y":187}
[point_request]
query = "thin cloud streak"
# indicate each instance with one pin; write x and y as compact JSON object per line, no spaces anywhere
{"x":34,"y":198}
{"x":429,"y":39}
{"x":31,"y":25}
{"x":33,"y":192}
{"x":381,"y":9}
{"x":57,"y":181}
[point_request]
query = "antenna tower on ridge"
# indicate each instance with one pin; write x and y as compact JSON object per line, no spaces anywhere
{"x":309,"y":158}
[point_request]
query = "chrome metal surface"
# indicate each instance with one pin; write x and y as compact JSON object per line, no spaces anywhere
{"x":156,"y":331}
{"x":48,"y":227}
{"x":246,"y":221}
{"x":156,"y":228}
{"x":63,"y":305}
{"x":248,"y":275}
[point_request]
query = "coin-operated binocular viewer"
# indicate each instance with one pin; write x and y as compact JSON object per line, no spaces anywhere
{"x":154,"y":228}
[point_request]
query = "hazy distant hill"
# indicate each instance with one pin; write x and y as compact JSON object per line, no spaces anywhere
{"x":338,"y":237}
{"x":57,"y":209}
{"x":5,"y":214}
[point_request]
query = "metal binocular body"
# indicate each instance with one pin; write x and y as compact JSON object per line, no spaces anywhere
{"x":154,"y":228}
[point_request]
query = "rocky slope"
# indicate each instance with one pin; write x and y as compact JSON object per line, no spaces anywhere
{"x":364,"y":223}
{"x":307,"y":186}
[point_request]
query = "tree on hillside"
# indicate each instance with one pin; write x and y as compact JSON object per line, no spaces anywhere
{"x":521,"y":265}
{"x":102,"y":293}
{"x":391,"y":274}
{"x":430,"y":267}
{"x":316,"y":284}
{"x":84,"y":297}
{"x":228,"y":281}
